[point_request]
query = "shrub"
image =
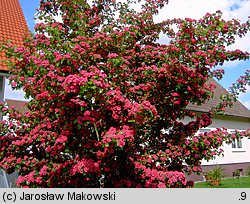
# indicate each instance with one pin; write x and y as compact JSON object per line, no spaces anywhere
{"x":216,"y":175}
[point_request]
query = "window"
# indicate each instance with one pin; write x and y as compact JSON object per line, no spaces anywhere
{"x":234,"y":144}
{"x":237,"y":143}
{"x":3,"y":180}
{"x":204,"y":130}
{"x":8,"y":180}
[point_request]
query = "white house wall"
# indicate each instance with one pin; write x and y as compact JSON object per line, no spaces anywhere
{"x":2,"y":87}
{"x":231,"y":155}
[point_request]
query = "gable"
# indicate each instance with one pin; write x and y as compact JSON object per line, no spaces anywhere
{"x":12,"y":26}
{"x":237,"y":110}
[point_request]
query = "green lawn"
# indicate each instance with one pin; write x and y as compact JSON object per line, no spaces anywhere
{"x":243,"y":182}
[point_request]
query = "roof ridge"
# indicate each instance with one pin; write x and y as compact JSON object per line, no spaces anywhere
{"x":238,"y":109}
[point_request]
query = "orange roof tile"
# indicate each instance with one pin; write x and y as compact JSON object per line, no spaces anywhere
{"x":13,"y":26}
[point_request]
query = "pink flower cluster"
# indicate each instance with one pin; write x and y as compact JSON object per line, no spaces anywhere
{"x":85,"y":166}
{"x":120,"y":137}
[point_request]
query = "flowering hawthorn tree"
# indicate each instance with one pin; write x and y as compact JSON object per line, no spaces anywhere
{"x":103,"y":90}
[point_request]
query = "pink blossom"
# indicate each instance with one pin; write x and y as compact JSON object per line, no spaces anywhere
{"x":112,"y":55}
{"x":61,"y":139}
{"x":195,"y":139}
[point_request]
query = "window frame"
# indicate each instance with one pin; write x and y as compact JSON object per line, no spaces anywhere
{"x":237,"y":144}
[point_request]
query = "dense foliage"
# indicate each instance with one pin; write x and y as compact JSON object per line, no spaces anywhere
{"x":107,"y":99}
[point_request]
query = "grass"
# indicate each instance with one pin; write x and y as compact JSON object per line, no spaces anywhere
{"x":243,"y":182}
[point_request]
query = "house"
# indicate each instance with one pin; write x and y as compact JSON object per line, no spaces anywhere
{"x":237,"y":154}
{"x":13,"y":27}
{"x":8,"y":180}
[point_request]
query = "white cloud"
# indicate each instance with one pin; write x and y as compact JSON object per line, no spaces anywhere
{"x":58,"y":18}
{"x":190,"y":8}
{"x":238,"y":9}
{"x":196,"y":9}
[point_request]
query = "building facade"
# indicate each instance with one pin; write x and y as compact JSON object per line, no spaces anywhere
{"x":236,"y":155}
{"x":13,"y":28}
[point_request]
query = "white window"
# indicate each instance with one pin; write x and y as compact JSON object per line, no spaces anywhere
{"x":8,"y":180}
{"x":203,"y":130}
{"x":237,"y":144}
{"x":3,"y":180}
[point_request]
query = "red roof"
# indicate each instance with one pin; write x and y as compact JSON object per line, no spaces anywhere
{"x":237,"y":110}
{"x":13,"y":26}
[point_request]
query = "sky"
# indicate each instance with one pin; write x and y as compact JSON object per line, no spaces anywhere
{"x":238,"y":9}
